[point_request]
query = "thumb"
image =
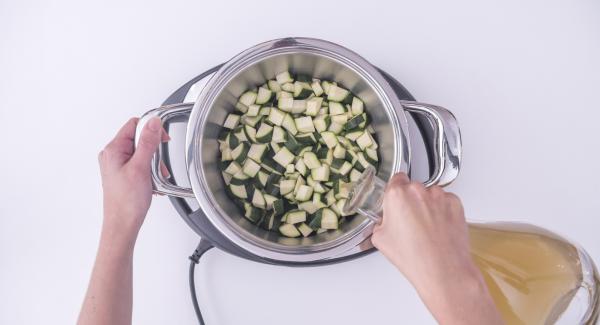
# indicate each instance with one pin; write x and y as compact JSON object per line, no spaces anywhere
{"x":148,"y":144}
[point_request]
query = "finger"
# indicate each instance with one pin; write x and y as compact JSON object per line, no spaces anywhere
{"x":118,"y":151}
{"x":164,"y":170}
{"x":149,"y":141}
{"x":165,"y":137}
{"x":399,"y":179}
{"x":123,"y":140}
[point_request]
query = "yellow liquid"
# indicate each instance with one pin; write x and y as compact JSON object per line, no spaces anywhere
{"x":531,"y":273}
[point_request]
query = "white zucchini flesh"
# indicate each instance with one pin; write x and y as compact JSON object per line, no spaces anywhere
{"x":289,"y":230}
{"x":231,"y":121}
{"x":295,"y":216}
{"x":283,"y":157}
{"x":329,"y":219}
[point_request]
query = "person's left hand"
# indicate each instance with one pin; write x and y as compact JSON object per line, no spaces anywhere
{"x":126,"y":177}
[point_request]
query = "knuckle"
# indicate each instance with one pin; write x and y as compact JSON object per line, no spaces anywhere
{"x":454,"y":201}
{"x":452,"y":198}
{"x":417,"y":189}
{"x":436,"y":191}
{"x":376,"y":239}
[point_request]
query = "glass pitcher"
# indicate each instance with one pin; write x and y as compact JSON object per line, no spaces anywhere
{"x":534,"y":276}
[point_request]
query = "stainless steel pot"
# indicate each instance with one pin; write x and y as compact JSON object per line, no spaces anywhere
{"x":324,"y":60}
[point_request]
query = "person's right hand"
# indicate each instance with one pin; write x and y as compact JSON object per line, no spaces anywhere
{"x":424,"y":234}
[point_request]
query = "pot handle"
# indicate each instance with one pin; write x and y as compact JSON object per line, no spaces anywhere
{"x":446,"y":144}
{"x":165,"y":113}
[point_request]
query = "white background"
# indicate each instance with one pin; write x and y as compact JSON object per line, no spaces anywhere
{"x":523,"y":78}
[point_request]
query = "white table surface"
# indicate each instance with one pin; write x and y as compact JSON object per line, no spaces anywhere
{"x":523,"y":78}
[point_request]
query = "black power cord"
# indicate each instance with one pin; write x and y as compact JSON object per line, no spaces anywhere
{"x":202,"y":248}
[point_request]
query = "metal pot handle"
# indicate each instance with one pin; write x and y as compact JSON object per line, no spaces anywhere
{"x":446,"y":144}
{"x":165,"y":113}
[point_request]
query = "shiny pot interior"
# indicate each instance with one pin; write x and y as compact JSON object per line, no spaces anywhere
{"x":324,"y":67}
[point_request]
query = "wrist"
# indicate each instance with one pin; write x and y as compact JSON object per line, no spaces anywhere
{"x":450,"y":297}
{"x":118,"y":235}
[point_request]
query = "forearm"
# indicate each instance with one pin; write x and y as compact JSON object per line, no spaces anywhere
{"x":461,"y":299}
{"x":109,"y":296}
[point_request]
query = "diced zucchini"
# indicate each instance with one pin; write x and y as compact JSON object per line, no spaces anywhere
{"x":303,"y":155}
{"x":279,"y":135}
{"x":299,"y":182}
{"x":248,"y":98}
{"x":289,"y":87}
{"x":258,"y":200}
{"x":253,"y":214}
{"x":371,"y":156}
{"x":232,"y":121}
{"x":321,"y":173}
{"x":286,"y":186}
{"x":308,"y":206}
{"x":313,"y":106}
{"x":304,"y":229}
{"x":276,"y":116}
{"x":339,"y":152}
{"x":257,"y":151}
{"x":226,"y":154}
{"x":264,"y":133}
{"x":304,"y":193}
{"x":289,"y":124}
{"x":262,"y":177}
{"x":355,"y":175}
{"x":329,"y":219}
{"x":299,"y":106}
{"x":274,"y":85}
{"x":289,"y":169}
{"x":337,"y":94}
{"x":226,"y":178}
{"x":357,"y":106}
{"x":316,"y":87}
{"x":336,"y":128}
{"x":330,"y":198}
{"x":239,"y":191}
{"x":241,"y":107}
{"x":326,"y":86}
{"x":289,"y":230}
{"x":240,"y":152}
{"x":295,"y":216}
{"x":311,"y":161}
{"x":251,"y":168}
{"x":271,"y":221}
{"x":364,"y":140}
{"x":336,"y":108}
{"x":354,"y":135}
{"x":357,"y":122}
{"x":306,"y":138}
{"x":264,"y":96}
{"x":283,"y":157}
{"x":250,"y":133}
{"x":283,"y":94}
{"x":284,"y":77}
{"x":321,"y":123}
{"x":253,"y":110}
{"x":233,"y":168}
{"x":301,"y":167}
{"x":302,"y":90}
{"x":340,"y":119}
{"x":305,"y":124}
{"x":330,"y":139}
{"x":285,"y":104}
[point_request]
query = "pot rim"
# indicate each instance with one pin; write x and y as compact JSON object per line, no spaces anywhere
{"x":197,"y":122}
